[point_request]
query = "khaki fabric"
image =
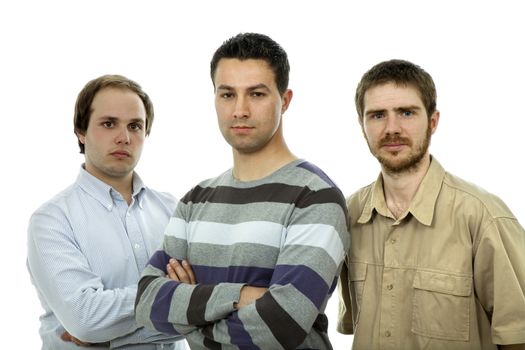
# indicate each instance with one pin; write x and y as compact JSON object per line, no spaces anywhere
{"x":450,"y":274}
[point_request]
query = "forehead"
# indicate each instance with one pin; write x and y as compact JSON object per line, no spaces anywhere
{"x":118,"y":103}
{"x":391,"y":95}
{"x":243,"y":73}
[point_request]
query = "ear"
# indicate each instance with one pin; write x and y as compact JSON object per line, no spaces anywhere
{"x":434,"y":121}
{"x":81,"y":137}
{"x":286,"y":98}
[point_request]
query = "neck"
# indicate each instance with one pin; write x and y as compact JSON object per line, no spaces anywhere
{"x":125,"y":188}
{"x":400,"y":188}
{"x":122,"y":184}
{"x":257,"y":165}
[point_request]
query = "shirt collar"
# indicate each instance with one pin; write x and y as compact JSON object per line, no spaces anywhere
{"x":423,"y":203}
{"x":102,"y":192}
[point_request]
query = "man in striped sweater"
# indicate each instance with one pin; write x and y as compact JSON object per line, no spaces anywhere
{"x":265,"y":239}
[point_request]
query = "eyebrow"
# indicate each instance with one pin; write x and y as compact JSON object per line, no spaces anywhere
{"x":250,"y":88}
{"x":397,"y":109}
{"x":115,"y":119}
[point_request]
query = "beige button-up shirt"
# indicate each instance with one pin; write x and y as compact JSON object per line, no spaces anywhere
{"x":450,"y":274}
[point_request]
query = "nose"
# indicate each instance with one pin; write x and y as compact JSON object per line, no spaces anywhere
{"x":392,"y":125}
{"x":123,"y":136}
{"x":241,"y":110}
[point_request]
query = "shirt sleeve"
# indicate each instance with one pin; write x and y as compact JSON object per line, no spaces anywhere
{"x":499,"y":279}
{"x":344,"y":321}
{"x":304,"y":277}
{"x":77,"y":296}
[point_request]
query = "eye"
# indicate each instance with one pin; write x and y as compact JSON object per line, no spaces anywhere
{"x":377,"y":115}
{"x":108,"y":124}
{"x":226,"y":95}
{"x":258,"y":94}
{"x":136,"y":126}
{"x":407,"y":113}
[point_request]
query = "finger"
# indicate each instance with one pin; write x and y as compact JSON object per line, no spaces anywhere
{"x":171,"y":273}
{"x":65,"y":336}
{"x":187,"y":267}
{"x":79,"y":342}
{"x":179,"y":270}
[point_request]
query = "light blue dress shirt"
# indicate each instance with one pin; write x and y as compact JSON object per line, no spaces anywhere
{"x":86,"y":251}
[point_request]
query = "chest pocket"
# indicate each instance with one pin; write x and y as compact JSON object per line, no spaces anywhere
{"x":441,"y":305}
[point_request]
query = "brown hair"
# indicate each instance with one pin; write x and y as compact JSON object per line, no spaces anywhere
{"x":402,"y":73}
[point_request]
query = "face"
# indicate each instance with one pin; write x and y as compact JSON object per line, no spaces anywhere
{"x":249,"y":106}
{"x":115,"y":135}
{"x":396,"y":126}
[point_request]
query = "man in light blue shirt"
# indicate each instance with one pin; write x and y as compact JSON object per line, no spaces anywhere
{"x":88,"y":245}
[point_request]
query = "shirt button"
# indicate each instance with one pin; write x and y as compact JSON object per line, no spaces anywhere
{"x":388,"y":334}
{"x":137,"y":246}
{"x":393,"y":240}
{"x":390,"y":286}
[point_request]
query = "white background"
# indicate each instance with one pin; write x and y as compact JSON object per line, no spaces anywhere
{"x":50,"y":49}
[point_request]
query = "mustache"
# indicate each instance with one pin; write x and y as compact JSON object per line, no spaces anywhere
{"x":390,"y":139}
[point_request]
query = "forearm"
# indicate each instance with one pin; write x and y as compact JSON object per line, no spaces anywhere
{"x":69,"y":287}
{"x":193,"y":305}
{"x":143,"y":336}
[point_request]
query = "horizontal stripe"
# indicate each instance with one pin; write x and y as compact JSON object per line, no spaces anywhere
{"x":321,"y":236}
{"x":161,"y":308}
{"x":239,"y":254}
{"x":270,"y":192}
{"x":323,"y":196}
{"x":302,"y":196}
{"x":314,"y":258}
{"x":283,"y":327}
{"x":254,"y":276}
{"x":255,"y":232}
{"x":302,"y":278}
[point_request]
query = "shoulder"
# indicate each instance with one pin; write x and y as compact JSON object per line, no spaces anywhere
{"x":475,"y":196}
{"x":166,"y":198}
{"x":309,"y":174}
{"x":60,"y":201}
{"x":357,"y":200}
{"x":205,"y":188}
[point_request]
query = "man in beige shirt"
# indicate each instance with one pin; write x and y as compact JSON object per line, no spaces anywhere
{"x":435,"y":262}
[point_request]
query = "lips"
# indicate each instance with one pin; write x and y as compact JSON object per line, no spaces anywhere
{"x":120,"y":154}
{"x":241,"y":129}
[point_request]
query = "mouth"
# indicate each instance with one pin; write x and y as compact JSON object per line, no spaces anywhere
{"x":241,"y":129}
{"x":120,"y":154}
{"x":394,"y":143}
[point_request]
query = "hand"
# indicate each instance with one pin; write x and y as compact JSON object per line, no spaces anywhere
{"x":248,"y":295}
{"x":180,"y":272}
{"x":68,"y":337}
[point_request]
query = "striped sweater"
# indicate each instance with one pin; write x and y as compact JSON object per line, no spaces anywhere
{"x":286,"y":232}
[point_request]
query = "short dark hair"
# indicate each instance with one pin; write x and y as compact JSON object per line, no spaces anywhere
{"x":245,"y":46}
{"x":86,"y":96}
{"x":399,"y":72}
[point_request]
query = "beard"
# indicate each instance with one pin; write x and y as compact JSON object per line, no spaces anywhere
{"x":394,"y":165}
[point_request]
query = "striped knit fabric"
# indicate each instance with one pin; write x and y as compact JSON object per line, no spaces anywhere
{"x":286,"y":232}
